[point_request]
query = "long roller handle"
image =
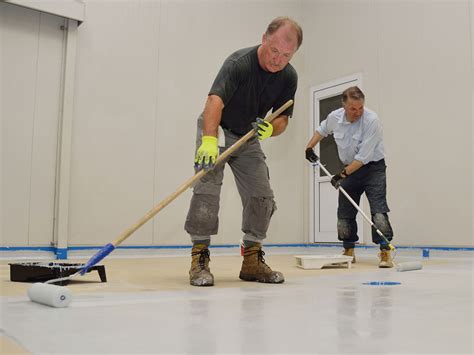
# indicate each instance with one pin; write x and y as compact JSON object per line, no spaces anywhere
{"x":107,"y":249}
{"x":195,"y":178}
{"x":359,"y":209}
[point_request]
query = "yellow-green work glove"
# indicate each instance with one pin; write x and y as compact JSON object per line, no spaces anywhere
{"x":206,"y":155}
{"x":264,"y":129}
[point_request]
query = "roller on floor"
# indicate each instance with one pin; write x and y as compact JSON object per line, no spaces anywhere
{"x":408,"y":266}
{"x":53,"y":295}
{"x":48,"y":293}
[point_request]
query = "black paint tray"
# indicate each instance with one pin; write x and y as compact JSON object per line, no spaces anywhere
{"x":42,"y":272}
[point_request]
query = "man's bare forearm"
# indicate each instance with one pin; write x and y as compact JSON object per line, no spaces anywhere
{"x":212,"y":115}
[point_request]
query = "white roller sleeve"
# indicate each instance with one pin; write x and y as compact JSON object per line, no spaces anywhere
{"x":409,"y":266}
{"x":50,"y":295}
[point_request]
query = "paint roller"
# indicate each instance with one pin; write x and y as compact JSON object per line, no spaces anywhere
{"x":50,"y":295}
{"x":59,"y":296}
{"x":408,"y":266}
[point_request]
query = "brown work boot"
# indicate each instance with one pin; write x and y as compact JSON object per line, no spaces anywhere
{"x":350,"y":252}
{"x":200,"y":274}
{"x":254,"y":267}
{"x":385,"y":259}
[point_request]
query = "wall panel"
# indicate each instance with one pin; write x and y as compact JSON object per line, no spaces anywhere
{"x":31,"y":65}
{"x":143,"y":72}
{"x":425,"y":86}
{"x":45,"y":129}
{"x":113,"y":136}
{"x":416,"y":61}
{"x":195,"y":39}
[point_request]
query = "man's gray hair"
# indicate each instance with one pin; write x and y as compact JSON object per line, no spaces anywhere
{"x":281,"y":21}
{"x":353,"y":93}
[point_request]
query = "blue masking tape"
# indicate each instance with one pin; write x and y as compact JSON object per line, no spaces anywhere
{"x":382,"y":283}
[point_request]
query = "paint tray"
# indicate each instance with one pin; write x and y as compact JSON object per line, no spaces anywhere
{"x":319,"y":261}
{"x":45,"y":271}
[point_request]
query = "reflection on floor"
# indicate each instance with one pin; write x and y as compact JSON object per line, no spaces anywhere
{"x":147,"y":306}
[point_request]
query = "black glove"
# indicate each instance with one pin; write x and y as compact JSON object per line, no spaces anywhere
{"x":310,"y":156}
{"x":337,"y":179}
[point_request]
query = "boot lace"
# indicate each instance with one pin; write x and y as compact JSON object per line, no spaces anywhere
{"x":204,"y":254}
{"x":261,"y":253}
{"x":260,"y":259}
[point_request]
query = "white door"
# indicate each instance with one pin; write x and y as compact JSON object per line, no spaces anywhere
{"x":323,"y":197}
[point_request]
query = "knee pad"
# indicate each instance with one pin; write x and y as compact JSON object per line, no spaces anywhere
{"x":203,"y":217}
{"x":383,"y":224}
{"x":346,"y":228}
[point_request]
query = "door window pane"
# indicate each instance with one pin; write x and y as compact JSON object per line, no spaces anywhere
{"x":327,"y":147}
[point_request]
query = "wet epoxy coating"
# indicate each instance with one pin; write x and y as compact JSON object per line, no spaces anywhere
{"x":320,"y":311}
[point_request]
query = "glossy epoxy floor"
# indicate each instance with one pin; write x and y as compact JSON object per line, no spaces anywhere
{"x":147,"y":307}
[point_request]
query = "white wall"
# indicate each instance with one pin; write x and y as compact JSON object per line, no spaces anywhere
{"x":31,"y":50}
{"x":143,"y":72}
{"x":144,"y":69}
{"x":72,"y":9}
{"x":2,"y":20}
{"x":195,"y":42}
{"x":471,"y":4}
{"x":415,"y":57}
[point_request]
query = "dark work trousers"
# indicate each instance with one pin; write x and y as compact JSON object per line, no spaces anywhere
{"x":253,"y":184}
{"x":371,"y":179}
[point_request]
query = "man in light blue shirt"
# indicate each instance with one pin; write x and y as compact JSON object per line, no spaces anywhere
{"x":358,"y":135}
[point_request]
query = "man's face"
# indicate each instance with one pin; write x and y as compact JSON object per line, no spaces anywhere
{"x":277,"y":49}
{"x":354,"y":109}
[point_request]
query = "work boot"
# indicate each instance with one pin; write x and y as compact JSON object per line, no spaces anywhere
{"x":200,"y":274}
{"x":350,"y":252}
{"x":254,"y":267}
{"x":385,"y":259}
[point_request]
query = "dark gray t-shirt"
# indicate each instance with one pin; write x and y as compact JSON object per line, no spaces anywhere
{"x":249,"y":92}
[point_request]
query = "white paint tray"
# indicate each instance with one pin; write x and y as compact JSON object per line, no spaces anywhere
{"x":319,"y":261}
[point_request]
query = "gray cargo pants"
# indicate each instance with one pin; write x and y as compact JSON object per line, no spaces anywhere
{"x":253,"y":183}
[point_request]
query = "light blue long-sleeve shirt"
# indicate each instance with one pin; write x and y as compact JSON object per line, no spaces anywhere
{"x":361,"y":140}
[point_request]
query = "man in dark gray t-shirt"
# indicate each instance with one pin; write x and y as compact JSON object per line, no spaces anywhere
{"x":248,"y":91}
{"x":251,"y":82}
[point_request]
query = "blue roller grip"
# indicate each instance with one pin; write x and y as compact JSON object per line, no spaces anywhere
{"x":102,"y":253}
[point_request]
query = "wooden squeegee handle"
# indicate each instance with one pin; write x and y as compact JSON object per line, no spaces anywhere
{"x":125,"y":234}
